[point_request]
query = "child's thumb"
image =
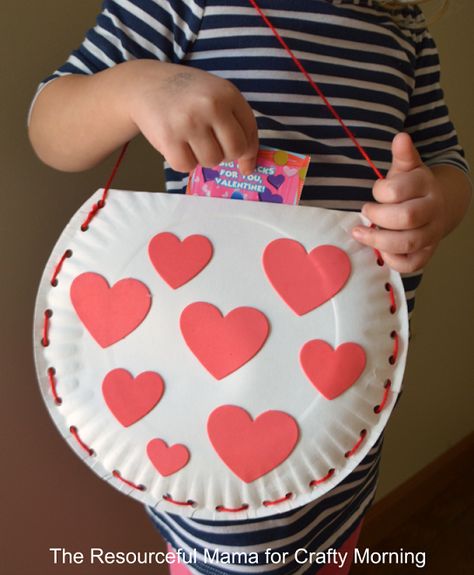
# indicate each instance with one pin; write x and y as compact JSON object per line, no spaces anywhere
{"x":405,"y":156}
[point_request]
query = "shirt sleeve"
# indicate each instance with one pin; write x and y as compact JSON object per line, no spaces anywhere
{"x":130,"y":30}
{"x":428,"y":120}
{"x":135,"y":29}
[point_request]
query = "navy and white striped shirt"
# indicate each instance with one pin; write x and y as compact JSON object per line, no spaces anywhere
{"x":380,"y":70}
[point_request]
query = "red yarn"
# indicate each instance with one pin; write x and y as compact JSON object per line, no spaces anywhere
{"x":101,"y":203}
{"x":182,"y":503}
{"x":393,"y":304}
{"x":394,"y":356}
{"x":318,"y":90}
{"x":75,"y":433}
{"x":52,"y":385}
{"x":388,"y":385}
{"x":232,"y":509}
{"x":118,"y":475}
{"x":59,"y":265}
{"x":45,"y":339}
{"x":276,"y":501}
{"x":329,"y":474}
{"x":363,"y":433}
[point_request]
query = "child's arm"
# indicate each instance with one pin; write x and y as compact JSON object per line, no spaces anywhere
{"x":418,"y":206}
{"x":188,"y":115}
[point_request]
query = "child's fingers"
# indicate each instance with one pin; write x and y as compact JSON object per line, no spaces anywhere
{"x":401,"y":188}
{"x":396,"y":242}
{"x":407,"y":216}
{"x":409,"y":263}
{"x":405,"y":156}
{"x":206,"y":148}
{"x":179,"y":156}
{"x":246,"y":119}
{"x":231,"y":137}
{"x":248,"y":160}
{"x":247,"y":164}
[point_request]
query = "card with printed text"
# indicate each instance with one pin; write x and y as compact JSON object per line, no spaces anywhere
{"x":278,"y":178}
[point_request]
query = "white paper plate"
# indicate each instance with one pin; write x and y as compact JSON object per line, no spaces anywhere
{"x":225,"y":466}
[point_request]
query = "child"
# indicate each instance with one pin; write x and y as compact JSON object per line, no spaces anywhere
{"x":206,"y":81}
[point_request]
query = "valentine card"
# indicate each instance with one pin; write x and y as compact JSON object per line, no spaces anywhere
{"x":278,"y":178}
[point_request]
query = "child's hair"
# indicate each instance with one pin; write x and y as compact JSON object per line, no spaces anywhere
{"x":399,"y":4}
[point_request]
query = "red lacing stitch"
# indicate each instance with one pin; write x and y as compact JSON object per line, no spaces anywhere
{"x":188,"y":503}
{"x":378,"y":255}
{"x":393,"y":304}
{"x":387,"y":386}
{"x":393,"y":358}
{"x":101,"y":203}
{"x":75,"y":433}
{"x":45,"y":339}
{"x":363,"y":433}
{"x":95,"y":208}
{"x":59,"y":265}
{"x":277,"y":501}
{"x":118,"y":475}
{"x":52,"y":384}
{"x":318,"y":90}
{"x":379,"y":258}
{"x":243,"y":507}
{"x":328,"y":475}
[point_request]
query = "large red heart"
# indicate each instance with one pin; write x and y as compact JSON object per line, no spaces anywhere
{"x":305,"y":280}
{"x":167,"y":460}
{"x":332,"y":371}
{"x":223,"y":343}
{"x":251,"y":448}
{"x":177,"y":261}
{"x":131,"y":399}
{"x":109,"y":313}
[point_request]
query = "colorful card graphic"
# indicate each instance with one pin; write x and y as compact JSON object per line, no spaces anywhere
{"x":278,"y":178}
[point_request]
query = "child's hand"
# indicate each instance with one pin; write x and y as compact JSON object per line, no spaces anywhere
{"x":192,"y":117}
{"x":410,"y":213}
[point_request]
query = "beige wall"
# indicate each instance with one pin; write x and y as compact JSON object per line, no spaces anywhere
{"x":41,"y":479}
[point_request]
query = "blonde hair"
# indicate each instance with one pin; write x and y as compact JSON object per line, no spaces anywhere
{"x":398,"y":4}
{"x":401,"y":3}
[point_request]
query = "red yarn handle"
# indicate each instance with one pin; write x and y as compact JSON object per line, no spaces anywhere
{"x":318,"y":90}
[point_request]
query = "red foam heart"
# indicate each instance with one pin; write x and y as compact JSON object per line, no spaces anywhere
{"x":332,"y":371}
{"x":305,"y":280}
{"x":167,"y":460}
{"x":131,"y":399}
{"x":109,"y":313}
{"x":223,"y":343}
{"x":251,"y":448}
{"x":178,"y":261}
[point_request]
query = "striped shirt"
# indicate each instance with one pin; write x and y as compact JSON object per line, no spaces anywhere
{"x":380,"y":70}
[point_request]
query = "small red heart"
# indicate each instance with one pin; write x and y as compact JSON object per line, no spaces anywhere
{"x":131,"y":399}
{"x":332,"y":371}
{"x":178,"y":261}
{"x":109,"y":313}
{"x":223,"y":344}
{"x":167,"y":460}
{"x":305,"y":280}
{"x":251,"y":448}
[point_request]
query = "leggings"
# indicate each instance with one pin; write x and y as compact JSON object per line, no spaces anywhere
{"x":330,"y":569}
